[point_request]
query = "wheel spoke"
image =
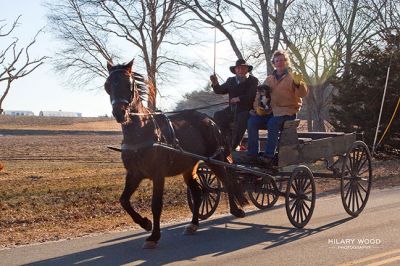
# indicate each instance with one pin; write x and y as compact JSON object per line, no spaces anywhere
{"x":301,"y":212}
{"x":201,"y":180}
{"x":356,"y":193}
{"x":258,"y":195}
{"x":309,"y":190}
{"x":305,"y":181}
{"x":308,"y":199}
{"x":308,"y":207}
{"x":301,"y":182}
{"x":213,"y":197}
{"x":262,"y":199}
{"x":298,"y":211}
{"x":208,"y":204}
{"x":294,"y":209}
{"x":363,"y":172}
{"x":211,"y":181}
{"x":359,"y":193}
{"x":202,"y":205}
{"x":304,"y":210}
{"x":351,"y":161}
{"x":362,"y":164}
{"x":205,"y":202}
{"x":208,"y":178}
{"x":349,"y":193}
{"x":294,"y":188}
{"x":348,"y":190}
{"x":353,"y":196}
{"x":308,"y":185}
{"x":294,"y":185}
{"x":362,"y":187}
{"x":358,"y":157}
{"x":294,"y":205}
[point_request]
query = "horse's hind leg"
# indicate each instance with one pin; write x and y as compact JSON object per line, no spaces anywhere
{"x":131,"y":184}
{"x":196,"y":196}
{"x":156,"y":208}
{"x":235,"y":193}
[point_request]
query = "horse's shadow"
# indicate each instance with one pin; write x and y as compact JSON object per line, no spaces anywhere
{"x":216,"y":237}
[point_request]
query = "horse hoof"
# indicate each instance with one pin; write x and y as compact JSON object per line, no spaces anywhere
{"x":190,"y":229}
{"x":238,"y":213}
{"x":147,"y":225}
{"x":149,"y":244}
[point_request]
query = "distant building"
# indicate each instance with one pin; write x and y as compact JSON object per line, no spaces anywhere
{"x":19,"y":113}
{"x":60,"y":114}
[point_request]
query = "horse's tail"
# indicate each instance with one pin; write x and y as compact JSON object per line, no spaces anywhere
{"x":230,"y":180}
{"x":236,"y":187}
{"x":221,"y":140}
{"x":228,"y":176}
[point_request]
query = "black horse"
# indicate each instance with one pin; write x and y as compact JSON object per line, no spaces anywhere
{"x":189,"y":130}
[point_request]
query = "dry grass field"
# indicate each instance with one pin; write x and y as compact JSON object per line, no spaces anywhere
{"x":67,"y":185}
{"x":58,"y":123}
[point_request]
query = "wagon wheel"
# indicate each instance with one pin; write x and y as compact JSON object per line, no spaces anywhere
{"x":356,"y":178}
{"x":210,"y":191}
{"x":263,"y":192}
{"x":300,"y":196}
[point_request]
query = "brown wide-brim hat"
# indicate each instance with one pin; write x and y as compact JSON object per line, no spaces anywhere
{"x":240,"y":62}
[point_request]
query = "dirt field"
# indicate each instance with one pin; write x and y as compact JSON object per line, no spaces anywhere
{"x":60,"y":186}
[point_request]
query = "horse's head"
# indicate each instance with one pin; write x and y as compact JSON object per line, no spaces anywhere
{"x":120,"y":86}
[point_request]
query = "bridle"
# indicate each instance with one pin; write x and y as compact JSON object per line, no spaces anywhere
{"x":133,"y":88}
{"x":132,"y":111}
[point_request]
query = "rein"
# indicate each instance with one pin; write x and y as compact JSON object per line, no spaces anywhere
{"x":179,"y":111}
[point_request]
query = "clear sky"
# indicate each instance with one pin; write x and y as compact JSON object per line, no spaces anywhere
{"x":45,"y":90}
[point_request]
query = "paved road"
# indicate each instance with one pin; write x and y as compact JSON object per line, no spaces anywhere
{"x":262,"y":238}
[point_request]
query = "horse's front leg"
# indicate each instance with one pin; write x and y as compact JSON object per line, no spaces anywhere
{"x":156,"y":208}
{"x":131,"y":184}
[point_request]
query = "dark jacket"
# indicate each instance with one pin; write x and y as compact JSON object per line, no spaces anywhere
{"x":246,"y":91}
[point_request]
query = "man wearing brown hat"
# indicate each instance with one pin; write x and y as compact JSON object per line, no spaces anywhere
{"x":241,"y":90}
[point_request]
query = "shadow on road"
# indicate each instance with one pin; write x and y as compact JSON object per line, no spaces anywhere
{"x":216,"y":237}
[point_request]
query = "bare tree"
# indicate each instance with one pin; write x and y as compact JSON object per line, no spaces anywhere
{"x":324,"y":37}
{"x":311,"y":35}
{"x":15,"y":62}
{"x":388,"y":17}
{"x":357,"y":23}
{"x":89,"y":28}
{"x":240,"y":20}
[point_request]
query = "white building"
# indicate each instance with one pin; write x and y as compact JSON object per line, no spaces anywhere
{"x":60,"y":114}
{"x":19,"y":113}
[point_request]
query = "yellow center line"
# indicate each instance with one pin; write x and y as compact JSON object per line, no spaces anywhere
{"x":376,"y":256}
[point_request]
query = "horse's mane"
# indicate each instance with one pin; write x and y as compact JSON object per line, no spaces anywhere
{"x":144,"y":92}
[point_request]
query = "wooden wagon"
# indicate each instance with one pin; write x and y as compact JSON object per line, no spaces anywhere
{"x":345,"y":157}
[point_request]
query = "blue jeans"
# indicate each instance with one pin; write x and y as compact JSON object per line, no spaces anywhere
{"x":270,"y":122}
